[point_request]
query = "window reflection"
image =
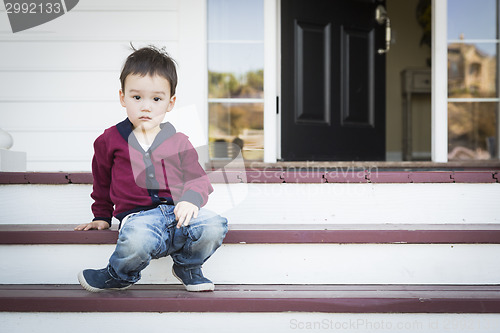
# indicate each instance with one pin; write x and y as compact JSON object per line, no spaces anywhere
{"x":238,"y":123}
{"x":236,"y":72}
{"x":472,"y":70}
{"x":248,"y":85}
{"x":472,"y":19}
{"x":472,"y":76}
{"x":472,"y":130}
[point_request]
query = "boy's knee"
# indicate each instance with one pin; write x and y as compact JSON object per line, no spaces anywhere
{"x":214,"y":230}
{"x":137,"y":242}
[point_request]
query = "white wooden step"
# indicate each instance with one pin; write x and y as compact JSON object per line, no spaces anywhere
{"x":280,"y":203}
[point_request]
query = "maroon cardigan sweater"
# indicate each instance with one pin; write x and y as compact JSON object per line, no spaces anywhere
{"x":128,"y":179}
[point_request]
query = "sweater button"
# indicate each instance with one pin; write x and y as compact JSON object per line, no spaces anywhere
{"x":146,"y":155}
{"x":151,"y":175}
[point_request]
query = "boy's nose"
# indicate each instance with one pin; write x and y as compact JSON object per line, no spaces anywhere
{"x":146,"y":107}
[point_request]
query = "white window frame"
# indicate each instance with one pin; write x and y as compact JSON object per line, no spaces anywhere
{"x":439,"y":94}
{"x":272,"y":70}
{"x":440,"y":70}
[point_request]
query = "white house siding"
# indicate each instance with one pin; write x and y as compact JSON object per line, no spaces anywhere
{"x":59,"y":81}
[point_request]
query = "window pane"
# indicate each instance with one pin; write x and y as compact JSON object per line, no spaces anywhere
{"x":236,"y":71}
{"x":472,"y":70}
{"x":235,"y":20}
{"x":238,"y":123}
{"x":472,"y":133}
{"x":472,"y":19}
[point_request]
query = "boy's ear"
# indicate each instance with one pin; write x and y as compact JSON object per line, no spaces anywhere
{"x":171,"y":103}
{"x":122,"y":97}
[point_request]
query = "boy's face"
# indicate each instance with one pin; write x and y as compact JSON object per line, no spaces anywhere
{"x":147,"y":100}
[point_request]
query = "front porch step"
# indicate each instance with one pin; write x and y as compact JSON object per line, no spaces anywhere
{"x":275,"y":254}
{"x":256,"y":298}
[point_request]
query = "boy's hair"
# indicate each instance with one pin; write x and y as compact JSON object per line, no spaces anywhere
{"x":150,"y":60}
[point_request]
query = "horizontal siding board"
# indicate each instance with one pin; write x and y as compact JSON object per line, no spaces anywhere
{"x":56,"y":145}
{"x":60,"y":116}
{"x":99,"y":26}
{"x":74,"y":55}
{"x":127,"y":5}
{"x":58,"y":164}
{"x":122,"y":5}
{"x":59,"y":86}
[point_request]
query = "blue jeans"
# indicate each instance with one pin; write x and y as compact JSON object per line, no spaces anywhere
{"x":153,"y":234}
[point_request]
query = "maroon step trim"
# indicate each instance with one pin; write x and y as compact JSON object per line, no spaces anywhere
{"x":287,"y":176}
{"x":273,"y":234}
{"x":255,"y":298}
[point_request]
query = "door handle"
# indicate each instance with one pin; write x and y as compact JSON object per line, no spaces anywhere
{"x":381,"y":18}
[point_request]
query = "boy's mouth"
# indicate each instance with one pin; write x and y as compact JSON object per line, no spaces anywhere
{"x":144,"y":118}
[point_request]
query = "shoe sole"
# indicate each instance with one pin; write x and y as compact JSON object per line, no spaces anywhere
{"x":88,"y":287}
{"x":195,"y":287}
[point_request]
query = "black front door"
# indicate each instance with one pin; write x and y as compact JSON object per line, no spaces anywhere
{"x":332,"y":80}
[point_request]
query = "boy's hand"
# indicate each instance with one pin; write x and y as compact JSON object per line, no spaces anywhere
{"x":184,"y":211}
{"x":97,"y":224}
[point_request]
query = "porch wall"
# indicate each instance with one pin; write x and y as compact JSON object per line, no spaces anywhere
{"x":59,"y":81}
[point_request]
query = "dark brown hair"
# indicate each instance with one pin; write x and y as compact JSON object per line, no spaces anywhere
{"x":150,"y":60}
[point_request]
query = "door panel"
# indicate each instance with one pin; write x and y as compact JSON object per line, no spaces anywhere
{"x":312,"y":63}
{"x":333,"y":80}
{"x":357,"y":84}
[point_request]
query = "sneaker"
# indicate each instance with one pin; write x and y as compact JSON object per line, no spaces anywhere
{"x":192,"y":279}
{"x":96,"y":280}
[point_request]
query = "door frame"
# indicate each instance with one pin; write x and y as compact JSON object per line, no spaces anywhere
{"x":439,"y":86}
{"x":272,"y":82}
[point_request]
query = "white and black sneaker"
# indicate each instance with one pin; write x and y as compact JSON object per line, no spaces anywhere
{"x":96,"y":280}
{"x":192,"y":279}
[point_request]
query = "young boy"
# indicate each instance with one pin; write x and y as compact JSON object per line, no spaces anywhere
{"x":148,"y":176}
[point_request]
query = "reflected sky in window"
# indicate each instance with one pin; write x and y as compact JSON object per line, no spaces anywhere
{"x":235,"y":37}
{"x":472,"y":19}
{"x":235,"y":58}
{"x":235,"y":20}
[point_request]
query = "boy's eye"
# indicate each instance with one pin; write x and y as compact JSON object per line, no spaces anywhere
{"x":136,"y":97}
{"x":156,"y":99}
